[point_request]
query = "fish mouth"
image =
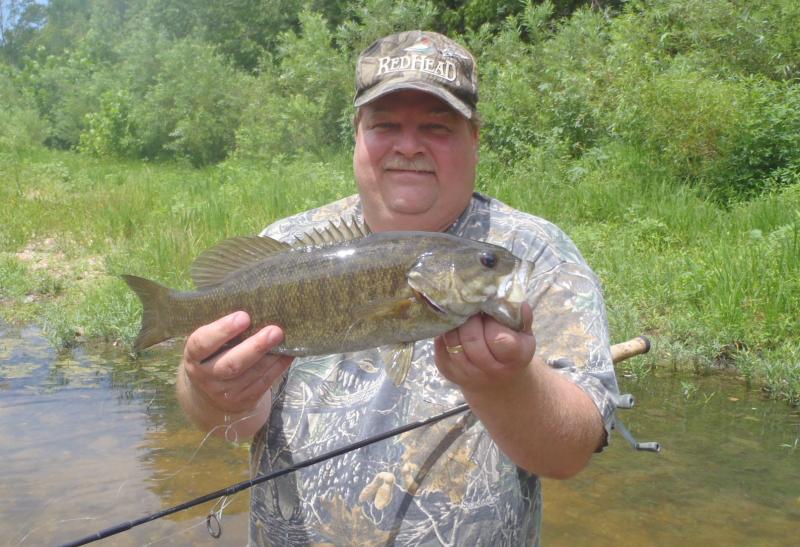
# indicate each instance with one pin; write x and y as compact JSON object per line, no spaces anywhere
{"x":428,"y":302}
{"x":512,"y":287}
{"x":506,"y":308}
{"x":508,"y":314}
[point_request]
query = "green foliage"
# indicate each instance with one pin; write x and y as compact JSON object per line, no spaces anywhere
{"x":762,"y":153}
{"x":734,"y":138}
{"x":682,"y":115}
{"x":194,"y":107}
{"x":13,"y":278}
{"x":22,"y":126}
{"x":299,"y":104}
{"x":725,"y":37}
{"x":241,"y":30}
{"x":19,"y":21}
{"x":535,"y":88}
{"x":371,"y":19}
{"x":187,"y":104}
{"x":65,"y":90}
{"x":707,"y":85}
{"x":110,"y":131}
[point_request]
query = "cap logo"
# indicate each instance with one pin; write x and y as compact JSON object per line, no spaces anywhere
{"x":420,"y":58}
{"x":424,"y":46}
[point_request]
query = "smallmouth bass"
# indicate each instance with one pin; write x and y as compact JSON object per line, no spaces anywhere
{"x":341,"y":289}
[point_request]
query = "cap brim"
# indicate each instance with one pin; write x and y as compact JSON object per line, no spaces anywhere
{"x":390,"y":86}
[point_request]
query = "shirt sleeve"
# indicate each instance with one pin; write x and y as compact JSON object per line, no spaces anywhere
{"x":571,"y":328}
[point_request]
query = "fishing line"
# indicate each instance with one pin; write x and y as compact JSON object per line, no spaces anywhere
{"x":212,"y":523}
{"x":233,"y":489}
{"x":228,"y":428}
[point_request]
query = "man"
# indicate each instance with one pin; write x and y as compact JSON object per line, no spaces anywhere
{"x":539,"y":406}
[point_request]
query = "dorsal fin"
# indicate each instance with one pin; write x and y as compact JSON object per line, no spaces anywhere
{"x":333,"y":233}
{"x":230,"y":256}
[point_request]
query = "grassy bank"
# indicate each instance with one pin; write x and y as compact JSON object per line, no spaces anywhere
{"x":712,"y":286}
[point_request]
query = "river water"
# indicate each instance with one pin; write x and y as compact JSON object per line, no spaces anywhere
{"x":92,"y":439}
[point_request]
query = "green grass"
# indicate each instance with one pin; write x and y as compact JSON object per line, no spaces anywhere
{"x":711,"y":286}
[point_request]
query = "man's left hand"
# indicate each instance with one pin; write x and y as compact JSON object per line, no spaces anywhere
{"x":483,"y":354}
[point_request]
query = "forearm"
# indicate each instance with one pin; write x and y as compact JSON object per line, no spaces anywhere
{"x":542,"y":421}
{"x":208,"y":417}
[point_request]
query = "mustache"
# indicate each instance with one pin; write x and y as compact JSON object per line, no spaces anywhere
{"x":420,"y":163}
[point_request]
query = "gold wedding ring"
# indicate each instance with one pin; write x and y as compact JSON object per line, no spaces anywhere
{"x":455,"y":349}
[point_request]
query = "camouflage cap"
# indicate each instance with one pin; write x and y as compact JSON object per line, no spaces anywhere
{"x":422,"y":60}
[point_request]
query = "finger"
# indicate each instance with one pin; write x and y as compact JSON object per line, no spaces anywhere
{"x":445,"y":361}
{"x":453,"y":349}
{"x":245,"y":390}
{"x":473,"y":340}
{"x":451,"y":341}
{"x":507,"y":346}
{"x":247,"y":353}
{"x":259,"y":378}
{"x":208,"y":339}
{"x":527,"y":317}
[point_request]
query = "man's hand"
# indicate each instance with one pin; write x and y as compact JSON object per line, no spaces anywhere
{"x":230,"y":387}
{"x":482,"y":354}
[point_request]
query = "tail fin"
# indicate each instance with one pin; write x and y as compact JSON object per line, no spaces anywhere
{"x":155,"y":311}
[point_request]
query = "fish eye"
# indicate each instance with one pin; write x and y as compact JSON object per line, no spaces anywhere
{"x":488,"y":259}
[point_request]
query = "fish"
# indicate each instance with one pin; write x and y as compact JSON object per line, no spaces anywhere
{"x":341,"y":289}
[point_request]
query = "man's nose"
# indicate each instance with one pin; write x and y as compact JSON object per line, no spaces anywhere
{"x":409,"y":143}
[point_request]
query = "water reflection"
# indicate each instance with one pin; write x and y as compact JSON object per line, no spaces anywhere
{"x":89,"y":439}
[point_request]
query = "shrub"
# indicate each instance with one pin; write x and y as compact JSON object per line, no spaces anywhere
{"x":762,"y":153}
{"x":22,"y":127}
{"x":300,"y":101}
{"x":64,"y":90}
{"x":542,"y":84}
{"x":194,"y":107}
{"x":110,"y":131}
{"x":733,"y":138}
{"x":719,"y":36}
{"x":371,"y":19}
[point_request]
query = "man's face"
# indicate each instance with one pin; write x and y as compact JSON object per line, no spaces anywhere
{"x":414,"y":162}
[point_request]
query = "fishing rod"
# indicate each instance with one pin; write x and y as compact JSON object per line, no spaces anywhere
{"x":233,"y":489}
{"x":619,"y":352}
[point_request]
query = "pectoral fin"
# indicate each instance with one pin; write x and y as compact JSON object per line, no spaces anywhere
{"x":398,"y":307}
{"x":398,"y":362}
{"x":390,"y":308}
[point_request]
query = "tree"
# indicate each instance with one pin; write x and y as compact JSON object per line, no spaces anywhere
{"x":19,"y":20}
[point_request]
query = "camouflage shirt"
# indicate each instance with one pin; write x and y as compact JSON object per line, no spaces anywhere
{"x":447,"y":483}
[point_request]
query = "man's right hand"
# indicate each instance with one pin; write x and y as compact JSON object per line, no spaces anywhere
{"x":230,"y":388}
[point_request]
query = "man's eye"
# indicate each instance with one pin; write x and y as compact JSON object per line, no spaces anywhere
{"x":438,"y":129}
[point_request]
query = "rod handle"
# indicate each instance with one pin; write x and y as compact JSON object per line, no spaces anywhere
{"x":631,"y":348}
